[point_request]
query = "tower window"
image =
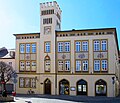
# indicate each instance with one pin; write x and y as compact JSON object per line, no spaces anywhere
{"x":46,"y":12}
{"x":47,"y":47}
{"x":47,"y":21}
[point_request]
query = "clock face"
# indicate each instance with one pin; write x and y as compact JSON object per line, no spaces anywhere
{"x":47,"y":30}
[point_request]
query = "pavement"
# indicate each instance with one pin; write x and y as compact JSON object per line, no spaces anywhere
{"x":63,"y":99}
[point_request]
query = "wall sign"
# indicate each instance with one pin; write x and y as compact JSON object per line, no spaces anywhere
{"x":72,"y":88}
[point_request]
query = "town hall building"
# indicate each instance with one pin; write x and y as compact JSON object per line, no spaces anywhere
{"x":71,"y":62}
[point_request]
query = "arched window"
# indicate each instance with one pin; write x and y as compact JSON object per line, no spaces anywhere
{"x":81,"y":87}
{"x":47,"y":63}
{"x":64,"y":87}
{"x":100,"y":88}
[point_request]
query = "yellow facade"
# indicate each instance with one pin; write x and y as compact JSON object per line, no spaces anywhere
{"x":74,"y":62}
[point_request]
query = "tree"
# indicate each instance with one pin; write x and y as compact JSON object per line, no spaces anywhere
{"x":6,"y":73}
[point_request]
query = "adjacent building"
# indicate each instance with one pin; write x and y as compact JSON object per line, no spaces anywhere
{"x":71,"y":62}
{"x":9,"y":59}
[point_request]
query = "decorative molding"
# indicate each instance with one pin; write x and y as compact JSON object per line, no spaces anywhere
{"x":63,"y":56}
{"x":27,"y":57}
{"x":100,"y":55}
{"x":81,"y":56}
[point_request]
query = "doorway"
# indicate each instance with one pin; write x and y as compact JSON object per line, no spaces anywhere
{"x":47,"y":86}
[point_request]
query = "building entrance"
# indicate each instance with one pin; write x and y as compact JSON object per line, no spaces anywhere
{"x":64,"y":87}
{"x":47,"y":86}
{"x":81,"y":87}
{"x":101,"y":88}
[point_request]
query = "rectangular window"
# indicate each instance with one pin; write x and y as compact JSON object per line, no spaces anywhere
{"x":84,"y":88}
{"x":96,"y":45}
{"x":85,"y":65}
{"x":104,"y":65}
{"x":22,"y":81}
{"x":47,"y":65}
{"x":78,"y":46}
{"x":27,"y":48}
{"x":60,"y":65}
{"x":33,"y":83}
{"x":33,"y":66}
{"x":47,"y":47}
{"x":60,"y":47}
{"x":22,"y":66}
{"x":22,"y":48}
{"x":104,"y":45}
{"x":67,"y":65}
{"x":27,"y":82}
{"x":67,"y":46}
{"x":10,"y":63}
{"x":85,"y":46}
{"x":27,"y":65}
{"x":46,"y":12}
{"x":78,"y":65}
{"x":44,"y":21}
{"x":96,"y":65}
{"x":33,"y":48}
{"x":47,"y":21}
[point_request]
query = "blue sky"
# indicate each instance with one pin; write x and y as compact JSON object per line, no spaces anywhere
{"x":23,"y":16}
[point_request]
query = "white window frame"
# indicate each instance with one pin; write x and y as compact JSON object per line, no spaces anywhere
{"x":96,"y":65}
{"x":104,"y":45}
{"x":104,"y":65}
{"x":67,"y":65}
{"x":78,"y":46}
{"x":60,"y":46}
{"x":47,"y":65}
{"x":78,"y":65}
{"x":84,"y":45}
{"x":47,"y":47}
{"x":22,"y":48}
{"x":67,"y":46}
{"x":33,"y":83}
{"x":33,"y":48}
{"x":27,"y":48}
{"x":96,"y":45}
{"x":85,"y":65}
{"x":27,"y":82}
{"x":28,"y":65}
{"x":22,"y":65}
{"x":22,"y":81}
{"x":33,"y":65}
{"x":60,"y":65}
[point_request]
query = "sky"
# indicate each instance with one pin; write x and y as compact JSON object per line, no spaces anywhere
{"x":23,"y":16}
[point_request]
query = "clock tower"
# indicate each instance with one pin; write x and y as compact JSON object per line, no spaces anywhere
{"x":50,"y":21}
